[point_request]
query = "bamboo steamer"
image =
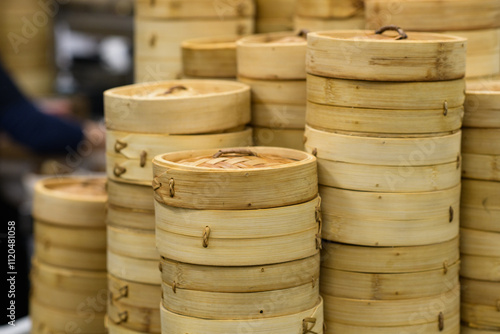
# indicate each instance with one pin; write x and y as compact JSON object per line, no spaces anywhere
{"x":365,"y":286}
{"x":139,"y":197}
{"x":131,"y":218}
{"x":481,"y":104}
{"x":133,"y":293}
{"x":480,"y":315}
{"x":269,"y":25}
{"x":480,"y":205}
{"x":280,"y":117}
{"x":264,"y":304}
{"x":309,"y":320}
{"x":479,"y":243}
{"x":133,"y":269}
{"x":481,"y":166}
{"x":135,"y":243}
{"x":157,"y":69}
{"x":194,"y":9}
{"x":321,"y":24}
{"x":274,"y":56}
{"x":129,"y":155}
{"x":240,"y":279}
{"x":210,"y":57}
{"x":422,"y":218}
{"x":329,"y":8}
{"x":384,"y":149}
{"x":364,"y":55}
{"x":140,"y":319}
{"x":71,"y":201}
{"x":476,"y":292}
{"x":381,"y":260}
{"x":388,"y":178}
{"x":481,"y":141}
{"x":392,"y":313}
{"x":178,"y":176}
{"x":205,"y":106}
{"x":276,"y":137}
{"x":274,"y":15}
{"x":434,"y":15}
{"x":432,"y":95}
{"x":480,"y":267}
{"x":117,"y":329}
{"x":470,"y":330}
{"x":70,"y":237}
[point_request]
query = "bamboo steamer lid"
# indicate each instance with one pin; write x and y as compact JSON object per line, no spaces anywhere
{"x":133,"y":269}
{"x":391,"y":313}
{"x":482,"y":104}
{"x":432,"y":95}
{"x":321,"y":24}
{"x":129,"y":155}
{"x":135,"y":243}
{"x":481,"y":141}
{"x":194,"y":9}
{"x":381,"y":57}
{"x":274,"y":56}
{"x":140,"y":319}
{"x":400,"y":179}
{"x":133,"y":293}
{"x":194,"y":106}
{"x":470,"y":330}
{"x":390,"y":259}
{"x":480,"y":243}
{"x":240,"y":279}
{"x":139,"y":197}
{"x":239,"y":176}
{"x":434,"y":15}
{"x":384,"y":149}
{"x":71,"y":201}
{"x":480,"y":205}
{"x":376,"y":223}
{"x":131,"y":218}
{"x":366,"y":286}
{"x":277,"y":137}
{"x":70,"y":237}
{"x":329,"y":8}
{"x":309,"y":320}
{"x":118,"y":329}
{"x":210,"y":57}
{"x":485,"y":268}
{"x":481,"y":166}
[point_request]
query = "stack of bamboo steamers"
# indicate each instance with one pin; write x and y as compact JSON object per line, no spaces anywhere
{"x":68,"y":277}
{"x":480,"y":209}
{"x":145,"y":120}
{"x":232,"y":261}
{"x":383,"y":115}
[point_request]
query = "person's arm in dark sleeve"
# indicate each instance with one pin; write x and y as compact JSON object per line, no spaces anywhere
{"x":24,"y":123}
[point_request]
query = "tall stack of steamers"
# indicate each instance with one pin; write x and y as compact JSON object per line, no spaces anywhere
{"x":386,"y":131}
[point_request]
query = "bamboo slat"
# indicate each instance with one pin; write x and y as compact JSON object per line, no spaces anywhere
{"x":140,"y":319}
{"x":480,"y":205}
{"x":482,"y":104}
{"x":309,"y":320}
{"x":131,"y":218}
{"x":485,"y":268}
{"x":479,"y":243}
{"x":346,"y":284}
{"x":421,"y":219}
{"x":132,"y":269}
{"x":390,"y":259}
{"x":329,"y":8}
{"x":481,"y":141}
{"x":480,"y":315}
{"x":237,"y":306}
{"x":139,"y":197}
{"x":71,"y":201}
{"x":210,"y":57}
{"x":240,"y":279}
{"x":133,"y":293}
{"x":136,"y":243}
{"x":280,"y":117}
{"x":274,"y":56}
{"x":191,"y":186}
{"x":480,"y":292}
{"x":384,"y":149}
{"x":194,"y":9}
{"x":92,"y":239}
{"x":469,"y":330}
{"x":277,"y":137}
{"x":430,"y":95}
{"x":329,"y":117}
{"x":269,"y":25}
{"x":275,"y":8}
{"x":364,"y":55}
{"x":434,"y":15}
{"x":388,"y":178}
{"x":481,"y":166}
{"x":117,"y":329}
{"x":320,"y":24}
{"x":391,"y":313}
{"x":205,"y":106}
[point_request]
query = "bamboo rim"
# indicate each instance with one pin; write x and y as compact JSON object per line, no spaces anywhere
{"x":485,"y":268}
{"x":134,"y":270}
{"x":480,"y":315}
{"x":470,"y":330}
{"x":277,"y":137}
{"x":481,"y":166}
{"x":141,"y":319}
{"x":240,"y":279}
{"x":139,"y":197}
{"x":481,"y":141}
{"x":170,"y":9}
{"x":135,"y":243}
{"x":480,"y":292}
{"x":479,"y":243}
{"x":481,"y":104}
{"x":133,"y":293}
{"x":390,"y":259}
{"x":329,"y":9}
{"x":131,"y":218}
{"x":77,"y":238}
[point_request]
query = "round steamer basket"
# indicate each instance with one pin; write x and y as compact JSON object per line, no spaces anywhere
{"x":210,"y":57}
{"x":129,"y":155}
{"x":191,"y":9}
{"x":118,"y":329}
{"x":240,"y":279}
{"x":480,"y":303}
{"x":470,"y":330}
{"x":382,"y":57}
{"x":479,"y":243}
{"x":155,"y":69}
{"x":71,"y":201}
{"x":346,"y":284}
{"x":133,"y":293}
{"x":268,"y":25}
{"x":482,"y":104}
{"x":178,"y":107}
{"x":140,"y":319}
{"x":274,"y":56}
{"x":329,"y":8}
{"x":131,"y":218}
{"x":135,"y":243}
{"x":481,"y":166}
{"x":390,"y":259}
{"x":133,"y":269}
{"x":421,"y":219}
{"x":434,"y":15}
{"x":480,"y":205}
{"x":486,"y":268}
{"x":321,"y":24}
{"x":131,"y":196}
{"x":481,"y":141}
{"x":235,"y":179}
{"x":277,"y":137}
{"x":307,"y":321}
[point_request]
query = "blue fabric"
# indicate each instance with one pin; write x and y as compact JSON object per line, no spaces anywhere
{"x":24,"y":123}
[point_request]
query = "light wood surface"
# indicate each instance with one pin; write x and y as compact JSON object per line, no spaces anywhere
{"x":136,"y":243}
{"x":480,"y":205}
{"x":329,"y":8}
{"x":482,"y":103}
{"x":139,"y":197}
{"x":277,"y":137}
{"x":172,"y":9}
{"x":135,"y":270}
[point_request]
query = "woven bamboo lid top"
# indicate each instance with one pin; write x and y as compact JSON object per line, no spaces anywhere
{"x":91,"y":188}
{"x":242,"y":160}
